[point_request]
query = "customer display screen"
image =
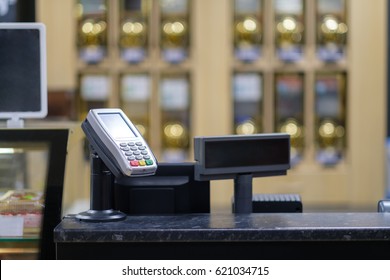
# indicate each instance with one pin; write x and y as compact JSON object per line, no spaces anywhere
{"x":20,"y":70}
{"x":240,"y":153}
{"x":116,"y":125}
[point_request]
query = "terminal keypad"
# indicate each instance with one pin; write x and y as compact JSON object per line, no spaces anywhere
{"x":136,"y":153}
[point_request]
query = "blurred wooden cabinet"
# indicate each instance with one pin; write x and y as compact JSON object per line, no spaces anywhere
{"x":315,"y":69}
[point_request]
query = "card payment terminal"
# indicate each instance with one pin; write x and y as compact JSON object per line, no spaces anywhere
{"x":118,"y":143}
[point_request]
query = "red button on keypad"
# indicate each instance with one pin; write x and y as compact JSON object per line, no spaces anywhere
{"x":134,"y":163}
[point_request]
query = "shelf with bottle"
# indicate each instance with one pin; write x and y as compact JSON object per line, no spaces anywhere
{"x":289,"y":96}
{"x":94,"y":91}
{"x":135,"y":100}
{"x":331,"y":30}
{"x":304,"y":104}
{"x":133,"y":31}
{"x":175,"y":110}
{"x":92,"y":30}
{"x":145,"y":71}
{"x":248,"y":30}
{"x":282,"y":83}
{"x":330,"y":117}
{"x":247,"y":88}
{"x":286,"y":32}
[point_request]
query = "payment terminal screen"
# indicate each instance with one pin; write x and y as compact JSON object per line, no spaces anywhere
{"x":116,"y":125}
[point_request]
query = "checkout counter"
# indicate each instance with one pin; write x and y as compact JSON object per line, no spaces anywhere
{"x":198,"y":234}
{"x":278,"y":236}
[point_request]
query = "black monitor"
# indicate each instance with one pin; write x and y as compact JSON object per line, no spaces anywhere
{"x":225,"y":157}
{"x":172,"y":190}
{"x":241,"y":157}
{"x":23,"y":79}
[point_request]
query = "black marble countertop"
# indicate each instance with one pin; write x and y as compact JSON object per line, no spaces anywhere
{"x":230,"y":228}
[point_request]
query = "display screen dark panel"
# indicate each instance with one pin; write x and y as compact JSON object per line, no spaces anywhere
{"x":20,"y":70}
{"x":241,"y":153}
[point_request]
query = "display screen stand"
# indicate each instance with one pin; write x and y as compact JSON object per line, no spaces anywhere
{"x":241,"y":157}
{"x":15,"y":123}
{"x":101,"y":201}
{"x":243,"y":194}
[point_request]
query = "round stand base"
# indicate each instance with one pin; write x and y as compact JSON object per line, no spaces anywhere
{"x":96,"y":216}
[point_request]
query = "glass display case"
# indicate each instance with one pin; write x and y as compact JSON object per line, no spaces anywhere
{"x":23,"y":172}
{"x":32,"y":170}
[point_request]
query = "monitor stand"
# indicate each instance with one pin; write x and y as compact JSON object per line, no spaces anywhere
{"x":101,"y":201}
{"x":243,"y":194}
{"x":15,"y":122}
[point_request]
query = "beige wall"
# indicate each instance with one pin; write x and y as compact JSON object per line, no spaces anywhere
{"x":59,"y":18}
{"x":368,"y":98}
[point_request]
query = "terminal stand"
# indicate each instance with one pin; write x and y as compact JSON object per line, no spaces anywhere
{"x":101,"y":201}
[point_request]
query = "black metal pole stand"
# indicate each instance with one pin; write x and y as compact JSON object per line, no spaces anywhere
{"x":101,"y":201}
{"x":243,"y":194}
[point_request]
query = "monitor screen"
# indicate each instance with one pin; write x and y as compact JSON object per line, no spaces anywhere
{"x":23,"y":89}
{"x":225,"y":157}
{"x":248,"y":152}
